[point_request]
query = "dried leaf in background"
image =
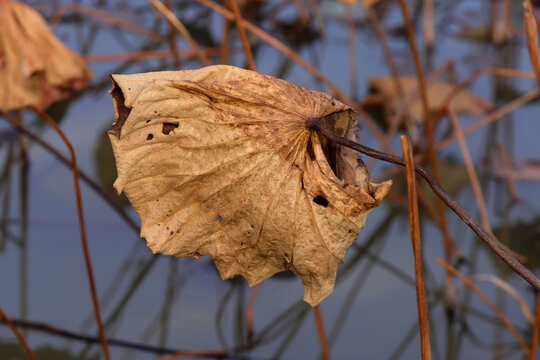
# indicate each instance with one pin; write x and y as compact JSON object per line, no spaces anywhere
{"x":36,"y":69}
{"x":365,"y":3}
{"x":384,"y":94}
{"x":218,"y":162}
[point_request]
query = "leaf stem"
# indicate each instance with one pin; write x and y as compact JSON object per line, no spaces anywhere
{"x":522,"y":271}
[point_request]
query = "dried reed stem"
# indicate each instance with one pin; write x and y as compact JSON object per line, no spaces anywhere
{"x":242,"y":33}
{"x":224,"y":53}
{"x":480,"y":201}
{"x":525,"y":273}
{"x":82,"y":225}
{"x":353,"y":51}
{"x":249,"y":312}
{"x":146,"y":55}
{"x":181,"y":29}
{"x":414,"y":222}
{"x":429,"y":24}
{"x":91,"y":183}
{"x":189,"y":354}
{"x":321,"y":333}
{"x":488,"y":302}
{"x":19,"y":336}
{"x":536,"y":329}
{"x":531,"y":29}
{"x":105,"y":17}
{"x":429,"y":135}
{"x":172,"y":40}
{"x":488,"y":119}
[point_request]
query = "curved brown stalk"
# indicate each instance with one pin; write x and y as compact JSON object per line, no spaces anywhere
{"x":242,"y":33}
{"x":181,"y":29}
{"x":19,"y":336}
{"x":91,"y":183}
{"x":83,"y":228}
{"x":527,"y":275}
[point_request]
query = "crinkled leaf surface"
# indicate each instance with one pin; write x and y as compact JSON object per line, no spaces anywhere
{"x":218,"y":162}
{"x":36,"y":69}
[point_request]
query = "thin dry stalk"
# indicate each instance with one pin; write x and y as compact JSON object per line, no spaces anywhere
{"x":224,"y":54}
{"x":473,"y":178}
{"x":414,"y":221}
{"x":309,"y":68}
{"x":488,"y":119}
{"x":19,"y":336}
{"x":506,"y":165}
{"x":82,"y":225}
{"x":242,"y":33}
{"x":429,"y":25}
{"x":105,"y":17}
{"x":195,"y":354}
{"x":468,"y":81}
{"x":97,"y":188}
{"x":172,"y":40}
{"x":531,"y":29}
{"x":321,"y":333}
{"x":181,"y":29}
{"x":303,"y":12}
{"x":495,"y":245}
{"x":429,"y":135}
{"x":147,"y":55}
{"x":353,"y":51}
{"x":488,"y":302}
{"x":249,"y":312}
{"x":536,"y":330}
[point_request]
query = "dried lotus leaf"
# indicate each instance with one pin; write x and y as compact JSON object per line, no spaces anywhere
{"x":237,"y":176}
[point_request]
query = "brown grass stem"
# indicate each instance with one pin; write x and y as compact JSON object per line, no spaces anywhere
{"x":195,"y":354}
{"x":473,"y":178}
{"x":353,"y":51}
{"x":225,"y":39}
{"x":172,"y":40}
{"x":488,"y":119}
{"x":147,"y":55}
{"x":242,"y":34}
{"x":249,"y":313}
{"x":531,"y":30}
{"x":429,"y":127}
{"x":429,"y":24}
{"x":488,"y":302}
{"x":86,"y":178}
{"x":105,"y":17}
{"x":278,"y":45}
{"x":82,"y":225}
{"x":536,"y":329}
{"x":414,"y":221}
{"x":525,"y":273}
{"x":321,"y":333}
{"x":18,"y":335}
{"x":181,"y":29}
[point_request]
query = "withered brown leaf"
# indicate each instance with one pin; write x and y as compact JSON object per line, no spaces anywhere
{"x":36,"y":69}
{"x":384,"y":93}
{"x":218,"y":162}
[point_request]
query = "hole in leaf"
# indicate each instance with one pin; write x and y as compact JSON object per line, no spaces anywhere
{"x":171,"y":233}
{"x":320,"y":200}
{"x":149,"y":137}
{"x":168,"y":127}
{"x":219,"y":218}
